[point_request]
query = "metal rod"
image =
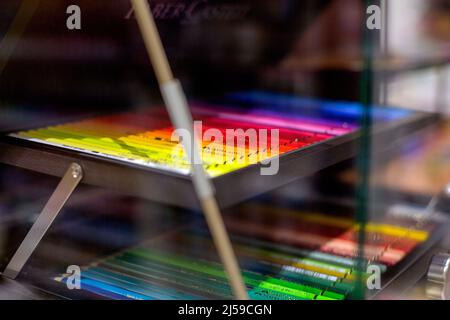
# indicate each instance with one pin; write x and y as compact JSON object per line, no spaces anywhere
{"x":181,"y":118}
{"x":63,"y":191}
{"x":16,"y":29}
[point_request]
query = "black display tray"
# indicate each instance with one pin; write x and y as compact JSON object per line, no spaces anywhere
{"x":176,"y":189}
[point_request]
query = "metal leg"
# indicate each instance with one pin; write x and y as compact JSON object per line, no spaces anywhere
{"x":54,"y":205}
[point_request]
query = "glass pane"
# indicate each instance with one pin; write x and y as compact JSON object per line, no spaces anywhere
{"x":319,"y":127}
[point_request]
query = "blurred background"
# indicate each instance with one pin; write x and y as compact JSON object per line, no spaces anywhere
{"x":285,"y":56}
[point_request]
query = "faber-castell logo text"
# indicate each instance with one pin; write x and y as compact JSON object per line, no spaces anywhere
{"x":190,"y":12}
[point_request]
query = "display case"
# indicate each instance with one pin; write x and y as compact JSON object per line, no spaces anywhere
{"x":321,"y":125}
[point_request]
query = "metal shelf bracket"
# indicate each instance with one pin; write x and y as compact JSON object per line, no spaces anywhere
{"x":63,"y":191}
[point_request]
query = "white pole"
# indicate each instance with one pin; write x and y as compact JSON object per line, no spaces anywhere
{"x":181,"y":118}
